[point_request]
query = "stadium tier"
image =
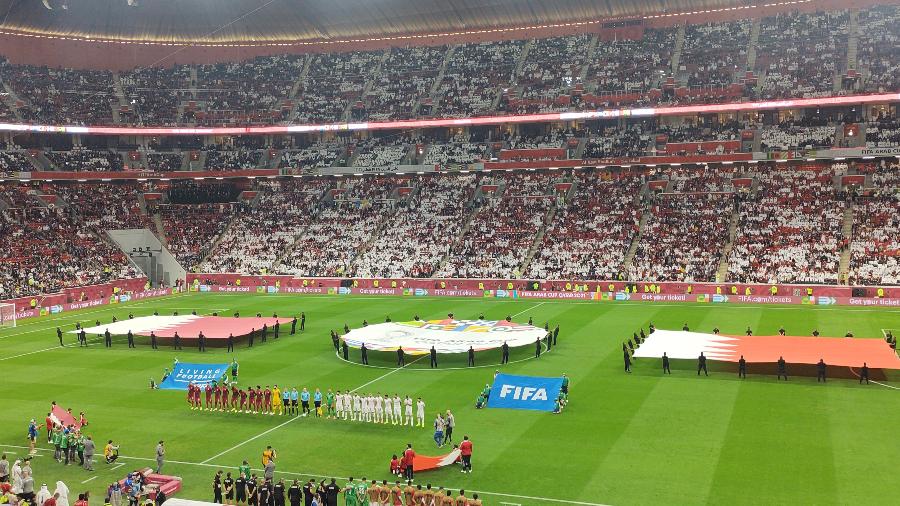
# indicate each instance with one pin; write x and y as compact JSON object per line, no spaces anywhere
{"x":765,"y":223}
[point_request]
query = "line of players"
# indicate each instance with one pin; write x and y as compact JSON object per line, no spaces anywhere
{"x":372,"y":408}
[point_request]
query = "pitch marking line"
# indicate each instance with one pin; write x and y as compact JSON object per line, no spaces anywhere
{"x":261,"y":434}
{"x":873,"y":381}
{"x":92,"y":478}
{"x":323,"y":476}
{"x":539,"y":304}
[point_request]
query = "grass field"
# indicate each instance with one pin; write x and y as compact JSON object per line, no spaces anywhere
{"x":624,"y":439}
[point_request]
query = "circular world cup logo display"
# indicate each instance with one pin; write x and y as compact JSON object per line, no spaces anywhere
{"x":446,"y":336}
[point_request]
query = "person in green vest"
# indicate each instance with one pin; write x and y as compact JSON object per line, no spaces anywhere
{"x":64,"y":446}
{"x":244,"y":469}
{"x":349,"y":490}
{"x":79,"y":447}
{"x":362,"y":491}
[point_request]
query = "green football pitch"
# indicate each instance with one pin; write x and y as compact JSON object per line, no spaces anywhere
{"x":638,"y":438}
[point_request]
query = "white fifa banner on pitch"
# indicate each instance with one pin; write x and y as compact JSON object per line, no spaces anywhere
{"x":447,"y":336}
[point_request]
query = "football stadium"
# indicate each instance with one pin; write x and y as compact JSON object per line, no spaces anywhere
{"x":467,"y":253}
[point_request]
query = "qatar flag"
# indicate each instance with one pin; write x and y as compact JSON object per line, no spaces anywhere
{"x":850,"y":352}
{"x":188,"y":326}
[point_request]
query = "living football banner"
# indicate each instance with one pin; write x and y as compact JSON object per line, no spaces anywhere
{"x":200,"y":374}
{"x":524,"y":392}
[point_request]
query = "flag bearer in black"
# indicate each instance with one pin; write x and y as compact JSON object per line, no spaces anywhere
{"x":864,"y":374}
{"x":782,"y":368}
{"x":665,"y":361}
{"x":742,"y":368}
{"x":505,"y":358}
{"x":820,"y":371}
{"x":627,"y":362}
{"x":701,"y":364}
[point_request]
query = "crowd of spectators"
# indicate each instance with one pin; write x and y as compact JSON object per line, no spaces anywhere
{"x":883,"y":133}
{"x":875,"y":247}
{"x":191,"y":229}
{"x":333,"y":83}
{"x":475,"y":75}
{"x":800,"y":53}
{"x":45,"y":249}
{"x":221,"y":158}
{"x":790,"y":230}
{"x":878,"y":47}
{"x":105,"y":206}
{"x":154,"y":93}
{"x":550,"y":71}
{"x":406,"y":78}
{"x":381,"y":151}
{"x":790,"y":136}
{"x":714,"y":53}
{"x":60,"y":95}
{"x":632,"y":66}
{"x":81,"y":159}
{"x":458,"y":150}
{"x":418,"y":235}
{"x":248,"y":87}
{"x":259,"y":235}
{"x":164,"y":162}
{"x":313,"y":157}
{"x":589,"y":237}
{"x":683,"y":238}
{"x":327,"y":245}
{"x":502,"y":229}
{"x":14,"y":161}
{"x":613,"y":142}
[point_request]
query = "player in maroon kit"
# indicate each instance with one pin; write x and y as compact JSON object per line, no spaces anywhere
{"x":190,"y":394}
{"x":217,"y":394}
{"x":252,"y":396}
{"x":209,"y":392}
{"x":234,"y":397}
{"x":267,"y":400}
{"x":224,"y":398}
{"x":197,"y":402}
{"x":243,"y":406}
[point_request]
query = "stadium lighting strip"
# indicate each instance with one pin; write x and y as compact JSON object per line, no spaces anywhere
{"x":151,"y":42}
{"x":460,"y":122}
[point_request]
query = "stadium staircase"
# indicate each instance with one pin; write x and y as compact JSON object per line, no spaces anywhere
{"x":847,"y":234}
{"x":120,"y":95}
{"x":436,"y":87}
{"x":853,"y":41}
{"x":591,"y":49}
{"x":476,"y":196}
{"x":160,"y":229}
{"x":722,"y":271}
{"x":679,"y":46}
{"x":642,"y":225}
{"x":307,"y":62}
{"x":370,"y":83}
{"x":41,"y":162}
{"x":11,"y":99}
{"x":754,"y":43}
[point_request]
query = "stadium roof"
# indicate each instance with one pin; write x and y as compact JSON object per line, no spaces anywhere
{"x":220,"y":21}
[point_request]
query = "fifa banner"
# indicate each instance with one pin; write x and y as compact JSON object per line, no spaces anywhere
{"x":524,"y":392}
{"x":184,"y":374}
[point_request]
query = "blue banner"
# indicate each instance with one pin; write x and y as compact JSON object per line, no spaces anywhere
{"x":524,"y":392}
{"x":183,"y":374}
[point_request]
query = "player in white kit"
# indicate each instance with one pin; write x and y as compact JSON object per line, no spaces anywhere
{"x":407,"y":403}
{"x":379,"y":408}
{"x":420,"y":412}
{"x":338,"y":404}
{"x":357,"y":408}
{"x":388,"y":409}
{"x":398,"y":414}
